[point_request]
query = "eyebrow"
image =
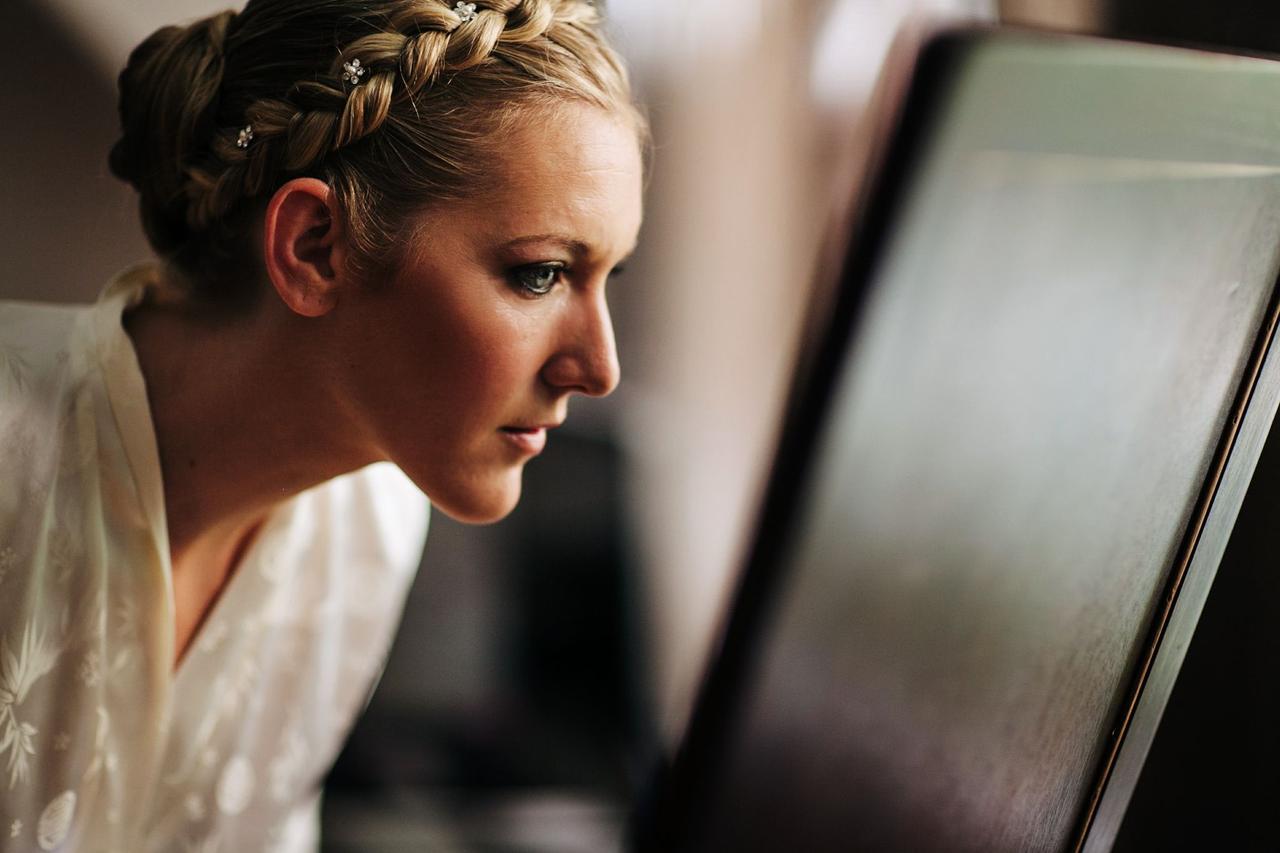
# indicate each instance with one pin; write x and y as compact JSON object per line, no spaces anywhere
{"x":577,"y":248}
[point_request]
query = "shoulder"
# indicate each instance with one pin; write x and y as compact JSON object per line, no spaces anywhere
{"x":26,"y":321}
{"x":35,"y":343}
{"x":40,"y":374}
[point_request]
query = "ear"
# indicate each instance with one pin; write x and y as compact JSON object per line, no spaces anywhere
{"x":304,"y":246}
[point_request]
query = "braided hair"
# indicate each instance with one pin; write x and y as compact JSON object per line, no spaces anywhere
{"x":396,"y":104}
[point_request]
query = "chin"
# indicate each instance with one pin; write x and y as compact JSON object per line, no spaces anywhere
{"x":474,"y":505}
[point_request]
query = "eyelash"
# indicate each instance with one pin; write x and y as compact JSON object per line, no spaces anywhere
{"x":520,"y":276}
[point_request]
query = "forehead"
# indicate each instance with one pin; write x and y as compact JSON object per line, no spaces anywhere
{"x":574,"y":170}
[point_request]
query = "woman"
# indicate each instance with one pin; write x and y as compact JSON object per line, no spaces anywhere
{"x":384,"y":232}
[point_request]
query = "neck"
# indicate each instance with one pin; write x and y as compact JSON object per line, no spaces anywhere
{"x":243,"y":417}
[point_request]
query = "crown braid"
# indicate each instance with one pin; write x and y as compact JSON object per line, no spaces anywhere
{"x":417,"y":124}
{"x":317,"y":117}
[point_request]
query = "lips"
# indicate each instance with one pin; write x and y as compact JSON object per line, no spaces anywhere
{"x":530,"y":439}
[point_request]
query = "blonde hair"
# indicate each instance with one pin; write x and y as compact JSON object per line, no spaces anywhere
{"x":419,"y":127}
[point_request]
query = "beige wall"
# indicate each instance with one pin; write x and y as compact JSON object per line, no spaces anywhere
{"x":65,"y":223}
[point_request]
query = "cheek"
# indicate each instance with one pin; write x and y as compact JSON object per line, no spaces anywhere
{"x":454,"y":364}
{"x":497,"y":367}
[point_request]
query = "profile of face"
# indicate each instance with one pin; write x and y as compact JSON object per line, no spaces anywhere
{"x":459,"y":365}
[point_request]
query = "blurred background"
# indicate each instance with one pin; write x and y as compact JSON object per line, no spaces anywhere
{"x":545,"y":661}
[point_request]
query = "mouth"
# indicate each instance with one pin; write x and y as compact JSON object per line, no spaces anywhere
{"x":529,"y":439}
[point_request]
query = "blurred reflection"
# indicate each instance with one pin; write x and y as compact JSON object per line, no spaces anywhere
{"x":1076,"y":267}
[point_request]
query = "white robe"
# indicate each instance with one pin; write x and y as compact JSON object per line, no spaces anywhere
{"x":103,"y":747}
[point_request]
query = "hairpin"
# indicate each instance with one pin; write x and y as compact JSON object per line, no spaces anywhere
{"x":352,"y":72}
{"x":466,"y":11}
{"x":245,"y":137}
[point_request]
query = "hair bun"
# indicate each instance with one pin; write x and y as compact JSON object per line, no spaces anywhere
{"x":168,"y":108}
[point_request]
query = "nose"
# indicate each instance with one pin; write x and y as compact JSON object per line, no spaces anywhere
{"x":586,"y":359}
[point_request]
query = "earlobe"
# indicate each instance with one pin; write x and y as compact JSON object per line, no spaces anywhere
{"x":304,"y":246}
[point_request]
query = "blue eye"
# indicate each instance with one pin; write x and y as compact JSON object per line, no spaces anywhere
{"x":538,"y":279}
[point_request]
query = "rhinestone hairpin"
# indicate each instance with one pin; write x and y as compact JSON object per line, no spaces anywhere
{"x":352,"y":72}
{"x":466,"y":11}
{"x":245,"y":136}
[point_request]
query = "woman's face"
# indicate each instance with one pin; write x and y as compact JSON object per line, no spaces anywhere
{"x":461,"y":364}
